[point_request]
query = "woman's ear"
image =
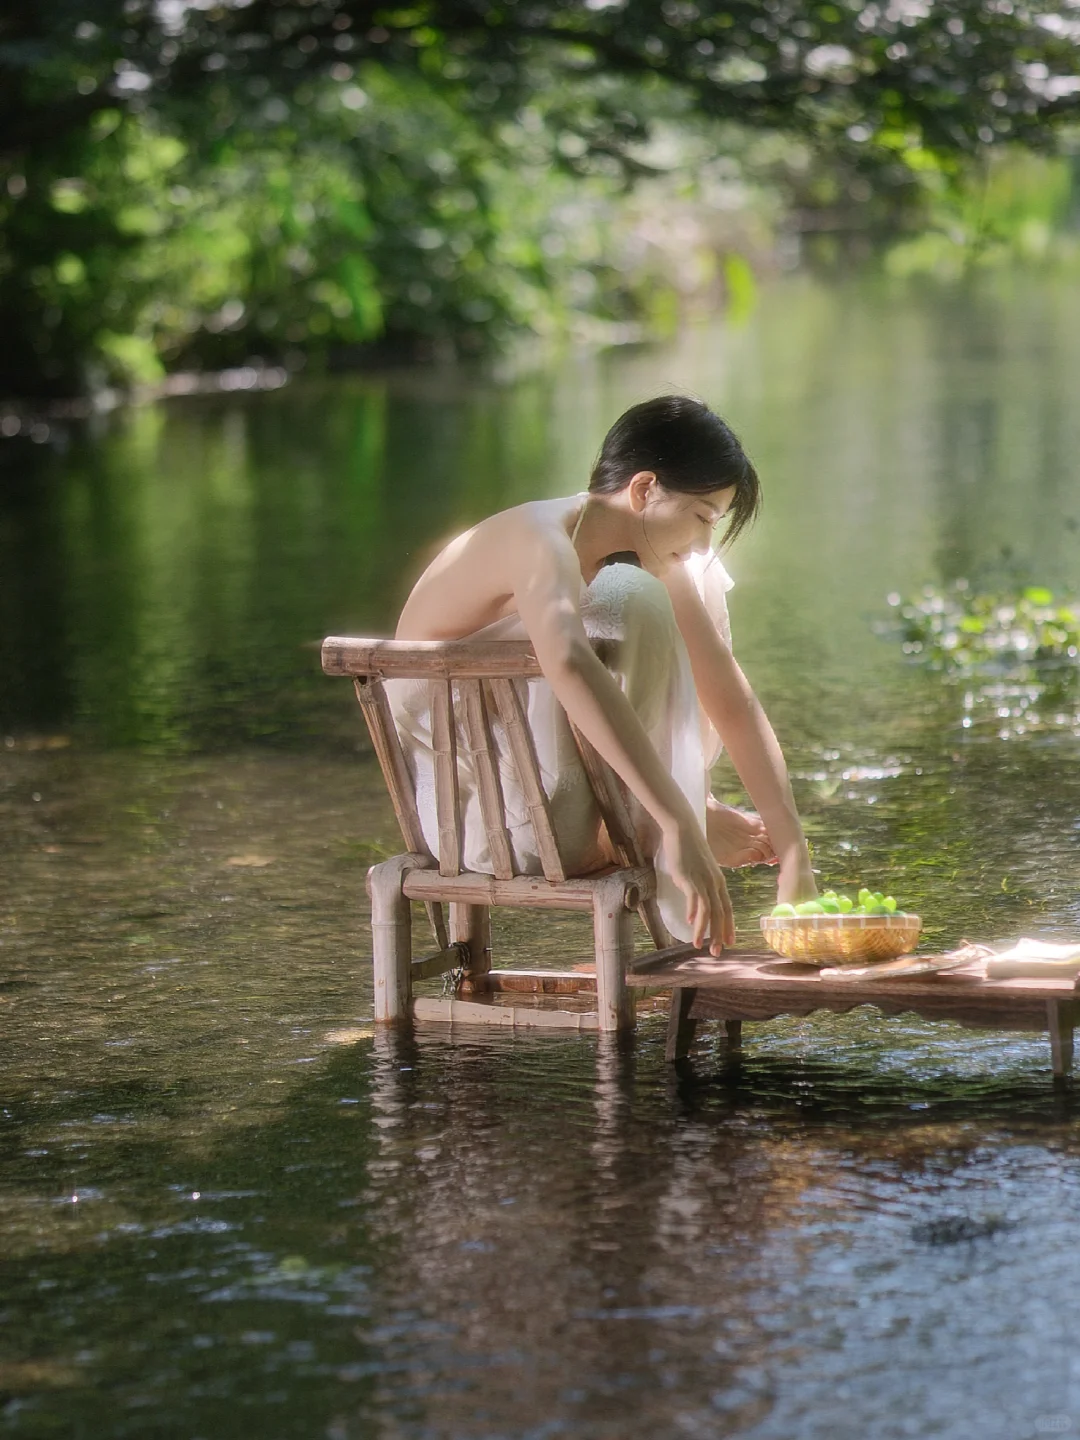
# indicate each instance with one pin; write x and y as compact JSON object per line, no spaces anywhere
{"x":639,"y":489}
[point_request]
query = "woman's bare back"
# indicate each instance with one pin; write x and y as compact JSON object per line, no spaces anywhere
{"x":473,"y":580}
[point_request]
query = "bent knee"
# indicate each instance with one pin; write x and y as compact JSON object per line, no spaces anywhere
{"x":632,"y":605}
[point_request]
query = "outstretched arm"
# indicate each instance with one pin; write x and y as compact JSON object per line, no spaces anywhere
{"x":743,"y":726}
{"x":546,"y":597}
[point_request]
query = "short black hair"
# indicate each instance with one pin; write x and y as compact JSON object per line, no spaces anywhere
{"x":689,"y":449}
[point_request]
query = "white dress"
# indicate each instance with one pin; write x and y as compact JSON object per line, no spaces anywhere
{"x":628,"y":606}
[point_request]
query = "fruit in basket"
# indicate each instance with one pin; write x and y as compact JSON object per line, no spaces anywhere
{"x":870,"y":902}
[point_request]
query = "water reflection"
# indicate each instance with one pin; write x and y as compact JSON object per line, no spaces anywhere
{"x":728,"y":1264}
{"x":164,"y":572}
{"x":453,"y":1234}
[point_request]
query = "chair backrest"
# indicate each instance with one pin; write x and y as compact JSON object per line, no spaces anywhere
{"x":469,"y":682}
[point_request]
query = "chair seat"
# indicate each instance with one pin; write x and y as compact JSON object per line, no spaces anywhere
{"x":473,"y":888}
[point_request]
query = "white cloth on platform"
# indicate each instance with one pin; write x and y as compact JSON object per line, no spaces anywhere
{"x":1034,"y":959}
{"x":629,"y":607}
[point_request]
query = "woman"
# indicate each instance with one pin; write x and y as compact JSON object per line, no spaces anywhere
{"x":630,"y":560}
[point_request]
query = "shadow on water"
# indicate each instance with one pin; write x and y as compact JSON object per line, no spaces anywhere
{"x":886,"y":1094}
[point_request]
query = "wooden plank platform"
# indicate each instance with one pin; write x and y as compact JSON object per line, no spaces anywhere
{"x":758,"y":985}
{"x":527,"y":999}
{"x":447,"y":1010}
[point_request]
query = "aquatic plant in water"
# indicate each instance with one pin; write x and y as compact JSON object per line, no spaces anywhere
{"x":955,"y":629}
{"x":1025,"y":645}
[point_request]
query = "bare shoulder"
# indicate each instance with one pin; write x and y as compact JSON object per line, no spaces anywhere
{"x":473,"y":579}
{"x":533,"y":520}
{"x":509,"y":536}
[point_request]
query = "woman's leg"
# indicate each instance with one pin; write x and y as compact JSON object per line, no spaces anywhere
{"x":632,"y":609}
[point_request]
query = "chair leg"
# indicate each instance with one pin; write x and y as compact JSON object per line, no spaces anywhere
{"x":391,"y":936}
{"x":614,"y":939}
{"x":472,"y":925}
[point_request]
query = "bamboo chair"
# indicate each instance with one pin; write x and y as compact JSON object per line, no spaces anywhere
{"x":472,"y":682}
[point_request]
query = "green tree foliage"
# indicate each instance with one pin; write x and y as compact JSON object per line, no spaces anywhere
{"x":1014,"y":204}
{"x":196,"y":184}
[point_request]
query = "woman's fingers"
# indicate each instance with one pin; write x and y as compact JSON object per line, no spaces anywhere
{"x":715,"y":915}
{"x":693,"y":903}
{"x":717,"y":925}
{"x":722,"y":926}
{"x":709,"y":915}
{"x":701,"y":922}
{"x":729,"y":918}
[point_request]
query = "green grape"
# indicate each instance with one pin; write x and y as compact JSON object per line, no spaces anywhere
{"x":869,"y":902}
{"x":783,"y":909}
{"x":809,"y":907}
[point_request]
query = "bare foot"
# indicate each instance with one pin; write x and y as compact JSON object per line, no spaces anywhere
{"x":737,"y":837}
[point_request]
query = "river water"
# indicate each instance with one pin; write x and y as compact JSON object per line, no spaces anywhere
{"x":228,"y":1207}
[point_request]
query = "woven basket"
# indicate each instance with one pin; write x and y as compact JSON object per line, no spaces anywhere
{"x":840,"y":939}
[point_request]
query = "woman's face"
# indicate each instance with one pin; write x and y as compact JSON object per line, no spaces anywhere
{"x":676,"y":526}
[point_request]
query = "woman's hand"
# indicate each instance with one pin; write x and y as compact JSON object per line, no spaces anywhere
{"x":796,"y":880}
{"x":696,"y":873}
{"x":737,"y":837}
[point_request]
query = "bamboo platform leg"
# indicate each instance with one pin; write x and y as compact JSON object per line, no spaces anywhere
{"x":471,"y":924}
{"x":1060,"y":1018}
{"x":391,"y":935}
{"x":680,"y":1034}
{"x":733,"y":1031}
{"x":613,"y":904}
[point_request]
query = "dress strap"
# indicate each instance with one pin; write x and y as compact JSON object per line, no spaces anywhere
{"x":580,"y":518}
